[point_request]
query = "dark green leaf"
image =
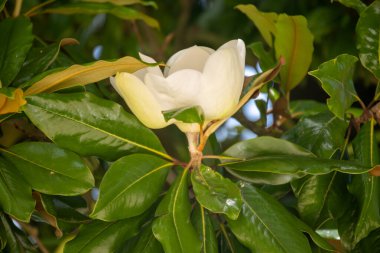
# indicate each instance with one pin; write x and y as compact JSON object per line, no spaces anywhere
{"x":2,"y":4}
{"x":264,"y":225}
{"x":203,"y":224}
{"x":13,"y":244}
{"x":90,"y":125}
{"x":147,"y":243}
{"x":293,"y":41}
{"x":368,"y":38}
{"x":193,"y":114}
{"x":15,"y":193}
{"x":172,"y":227}
{"x":306,"y":107}
{"x":366,"y":187}
{"x":50,"y":169}
{"x":122,"y":12}
{"x":268,"y":154}
{"x":17,"y":38}
{"x":130,"y":186}
{"x":336,"y":78}
{"x":358,"y":5}
{"x":216,"y":193}
{"x":317,"y":239}
{"x":266,"y":59}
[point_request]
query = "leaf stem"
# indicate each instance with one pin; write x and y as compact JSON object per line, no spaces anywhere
{"x":30,"y":13}
{"x":17,"y":9}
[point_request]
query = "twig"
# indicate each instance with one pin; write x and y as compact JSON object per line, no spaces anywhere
{"x":17,"y":9}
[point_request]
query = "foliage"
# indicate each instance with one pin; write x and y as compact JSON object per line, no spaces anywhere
{"x":80,"y":173}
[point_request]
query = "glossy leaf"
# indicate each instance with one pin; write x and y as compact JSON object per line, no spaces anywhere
{"x":11,"y":103}
{"x":130,"y":186}
{"x":39,"y":59}
{"x":358,"y":5}
{"x":90,"y":125}
{"x":323,"y":134}
{"x":368,"y":38}
{"x":366,"y":187}
{"x":50,"y":169}
{"x":203,"y":224}
{"x":268,"y":154}
{"x":100,"y":236}
{"x":15,"y":193}
{"x":294,"y":42}
{"x":122,"y":12}
{"x":336,"y":79}
{"x":82,"y":74}
{"x":193,"y":114}
{"x":216,"y":193}
{"x":172,"y":227}
{"x":306,"y":107}
{"x":264,"y":225}
{"x":264,"y":21}
{"x":14,"y":47}
{"x":146,"y":242}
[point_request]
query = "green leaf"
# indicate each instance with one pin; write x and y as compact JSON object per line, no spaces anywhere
{"x":50,"y":169}
{"x":100,"y":236}
{"x":15,"y":193}
{"x":193,"y":114}
{"x":122,"y":12}
{"x":306,"y":107}
{"x":125,"y":2}
{"x":147,"y":243}
{"x":130,"y":186}
{"x":172,"y":227}
{"x":2,"y":4}
{"x":336,"y":79}
{"x":264,"y":21}
{"x":293,"y":41}
{"x":14,"y":47}
{"x":268,"y":154}
{"x":216,"y":193}
{"x":358,"y":5}
{"x":264,"y":225}
{"x":366,"y":187}
{"x":368,"y":38}
{"x":89,"y":125}
{"x":323,"y":134}
{"x":203,"y":224}
{"x":266,"y":59}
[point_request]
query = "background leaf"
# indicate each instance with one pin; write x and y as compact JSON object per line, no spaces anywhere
{"x":130,"y":186}
{"x":358,"y":5}
{"x":147,"y":243}
{"x":14,"y":47}
{"x":203,"y":224}
{"x":336,"y":79}
{"x":90,"y":125}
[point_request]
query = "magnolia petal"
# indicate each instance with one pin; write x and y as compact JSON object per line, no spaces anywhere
{"x":178,"y":90}
{"x":190,"y":58}
{"x":239,"y":46}
{"x":140,"y":100}
{"x":222,"y":83}
{"x":142,"y":72}
{"x":188,"y":127}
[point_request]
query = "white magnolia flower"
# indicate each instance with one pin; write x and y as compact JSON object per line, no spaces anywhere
{"x":194,"y":76}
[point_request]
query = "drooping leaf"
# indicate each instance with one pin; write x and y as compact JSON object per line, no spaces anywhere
{"x":294,"y":42}
{"x":368,"y":38}
{"x":39,"y":59}
{"x":264,"y":225}
{"x":50,"y":169}
{"x":268,"y":154}
{"x":172,"y":227}
{"x":306,"y":108}
{"x":203,"y":224}
{"x":122,"y":12}
{"x":266,"y":59}
{"x":336,"y":79}
{"x":17,"y":38}
{"x":264,"y":21}
{"x":358,"y":5}
{"x":15,"y":193}
{"x":82,"y":74}
{"x":147,"y":243}
{"x":216,"y":193}
{"x":130,"y":186}
{"x":11,"y":100}
{"x":193,"y":114}
{"x":90,"y":125}
{"x":366,"y":187}
{"x":100,"y":236}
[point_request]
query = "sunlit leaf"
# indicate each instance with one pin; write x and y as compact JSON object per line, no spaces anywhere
{"x":10,"y":103}
{"x":193,"y":114}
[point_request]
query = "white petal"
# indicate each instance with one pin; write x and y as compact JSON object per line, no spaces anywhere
{"x":140,"y":100}
{"x":190,"y":58}
{"x":142,"y":72}
{"x":222,"y":83}
{"x":188,"y":127}
{"x":178,"y":90}
{"x":239,"y":46}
